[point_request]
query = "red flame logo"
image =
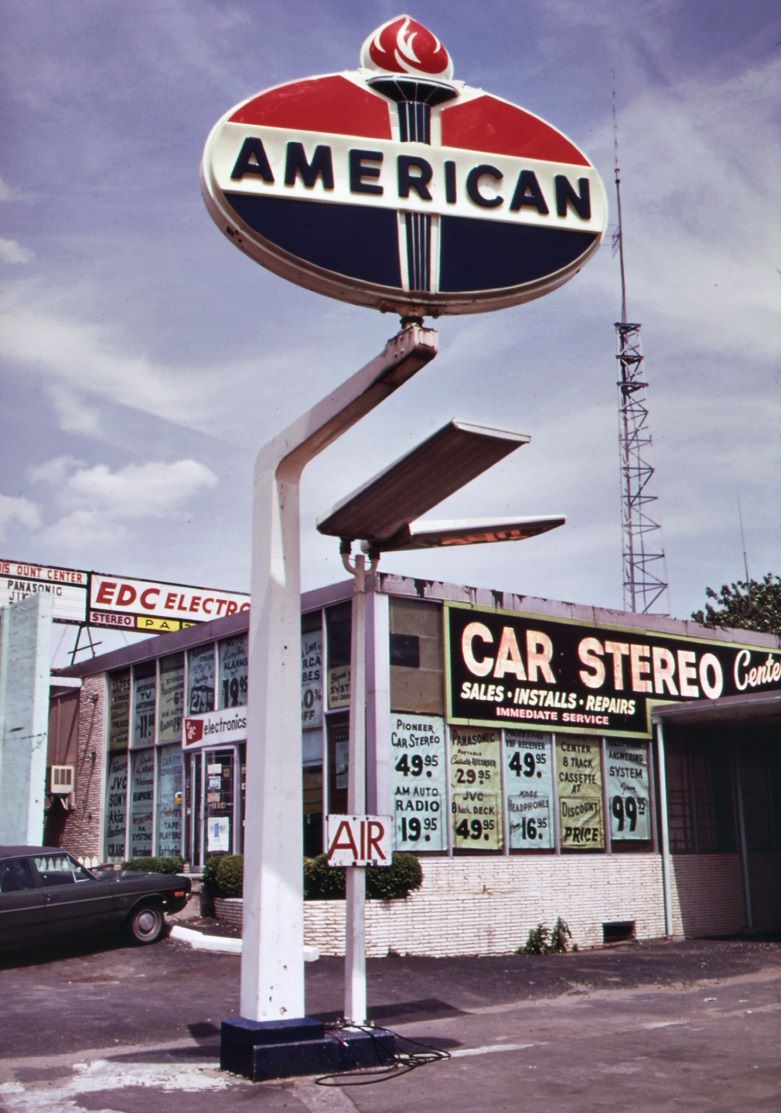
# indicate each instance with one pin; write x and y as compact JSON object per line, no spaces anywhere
{"x":402,"y":45}
{"x":193,"y":731}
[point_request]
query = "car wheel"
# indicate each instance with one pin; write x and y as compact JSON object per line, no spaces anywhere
{"x":146,"y":924}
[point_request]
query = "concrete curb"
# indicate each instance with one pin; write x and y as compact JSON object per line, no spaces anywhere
{"x":221,"y":944}
{"x":203,"y":942}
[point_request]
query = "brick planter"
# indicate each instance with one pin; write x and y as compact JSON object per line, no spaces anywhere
{"x":230,"y":910}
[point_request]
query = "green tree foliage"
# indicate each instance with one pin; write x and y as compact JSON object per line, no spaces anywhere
{"x":746,"y":605}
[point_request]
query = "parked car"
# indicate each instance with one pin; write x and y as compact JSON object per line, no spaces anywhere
{"x":46,"y":895}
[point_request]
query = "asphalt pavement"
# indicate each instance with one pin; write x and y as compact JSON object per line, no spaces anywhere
{"x":659,"y":1026}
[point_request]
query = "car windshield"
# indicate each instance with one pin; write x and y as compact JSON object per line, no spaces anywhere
{"x":60,"y":869}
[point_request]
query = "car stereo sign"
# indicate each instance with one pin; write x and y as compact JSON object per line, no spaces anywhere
{"x":394,"y":186}
{"x":539,"y":673}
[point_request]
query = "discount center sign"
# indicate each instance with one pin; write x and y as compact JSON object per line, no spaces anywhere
{"x":395,"y":186}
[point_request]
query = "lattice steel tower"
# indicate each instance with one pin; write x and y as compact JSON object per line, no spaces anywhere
{"x":644,"y":565}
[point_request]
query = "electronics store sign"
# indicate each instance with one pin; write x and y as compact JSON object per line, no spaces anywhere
{"x":541,"y":673}
{"x":396,"y":187}
{"x":153,"y":607}
{"x":67,"y":587}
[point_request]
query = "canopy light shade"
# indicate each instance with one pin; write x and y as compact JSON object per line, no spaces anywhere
{"x":384,"y":507}
{"x":428,"y":534}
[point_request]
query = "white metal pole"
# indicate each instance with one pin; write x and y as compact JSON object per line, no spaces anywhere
{"x":665,"y":828}
{"x":272,"y":967}
{"x":355,"y":881}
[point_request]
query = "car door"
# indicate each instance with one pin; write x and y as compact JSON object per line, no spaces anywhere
{"x":74,"y":900}
{"x":22,"y":905}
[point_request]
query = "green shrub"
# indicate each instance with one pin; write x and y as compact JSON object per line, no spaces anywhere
{"x":542,"y":941}
{"x":321,"y":881}
{"x":324,"y":882}
{"x":154,"y":865}
{"x":537,"y":941}
{"x":402,"y":877}
{"x":224,"y":875}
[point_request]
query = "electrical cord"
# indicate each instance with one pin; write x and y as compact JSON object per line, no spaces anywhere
{"x":401,"y":1062}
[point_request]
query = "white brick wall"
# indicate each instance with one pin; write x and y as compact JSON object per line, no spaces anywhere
{"x":489,"y":905}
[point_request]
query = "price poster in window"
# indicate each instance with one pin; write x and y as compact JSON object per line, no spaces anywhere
{"x":169,"y":725}
{"x":144,"y":691}
{"x":475,"y":780}
{"x":419,"y":782}
{"x":312,"y":680}
{"x":529,"y":779}
{"x":579,"y":780}
{"x":628,"y":790}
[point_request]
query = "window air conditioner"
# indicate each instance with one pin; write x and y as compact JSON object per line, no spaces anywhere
{"x":62,"y":779}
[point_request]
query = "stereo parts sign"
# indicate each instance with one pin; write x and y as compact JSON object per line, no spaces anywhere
{"x":533,"y":672}
{"x":394,"y":186}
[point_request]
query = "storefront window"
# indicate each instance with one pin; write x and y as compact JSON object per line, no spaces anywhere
{"x":528,"y":770}
{"x":476,"y":788}
{"x":171,"y":699}
{"x":233,"y":671}
{"x":144,"y":687}
{"x":628,"y":791}
{"x":219,"y":801}
{"x":311,"y":678}
{"x":169,"y":801}
{"x":337,"y":623}
{"x":700,"y":791}
{"x":419,"y":784}
{"x":118,"y":710}
{"x":201,"y":680}
{"x":579,"y":783}
{"x":116,"y":806}
{"x":142,"y":784}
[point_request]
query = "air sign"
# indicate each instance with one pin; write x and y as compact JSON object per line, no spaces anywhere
{"x":394,"y":186}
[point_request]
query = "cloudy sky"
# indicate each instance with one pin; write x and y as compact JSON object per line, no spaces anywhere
{"x":144,"y":361}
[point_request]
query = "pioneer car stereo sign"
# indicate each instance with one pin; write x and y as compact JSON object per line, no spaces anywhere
{"x":396,"y":187}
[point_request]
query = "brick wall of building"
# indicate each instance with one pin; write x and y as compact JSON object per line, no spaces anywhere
{"x":81,"y":827}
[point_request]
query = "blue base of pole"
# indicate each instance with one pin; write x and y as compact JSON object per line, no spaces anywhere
{"x":265,"y":1049}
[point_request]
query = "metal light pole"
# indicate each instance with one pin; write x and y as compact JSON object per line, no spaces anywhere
{"x":272,"y":968}
{"x":355,"y":998}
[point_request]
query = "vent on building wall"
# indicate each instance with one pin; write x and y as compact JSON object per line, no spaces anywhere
{"x":619,"y":931}
{"x":62,"y":779}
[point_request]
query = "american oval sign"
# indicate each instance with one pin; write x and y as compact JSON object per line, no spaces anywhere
{"x":396,"y":187}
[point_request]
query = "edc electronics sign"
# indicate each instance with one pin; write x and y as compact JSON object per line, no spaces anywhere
{"x":156,"y":607}
{"x":531,"y":672}
{"x":396,"y":187}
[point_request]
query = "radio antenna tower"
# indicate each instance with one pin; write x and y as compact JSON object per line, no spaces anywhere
{"x":644,"y":565}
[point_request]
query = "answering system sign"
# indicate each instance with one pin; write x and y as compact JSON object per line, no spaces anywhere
{"x":396,"y":187}
{"x":534,"y":672}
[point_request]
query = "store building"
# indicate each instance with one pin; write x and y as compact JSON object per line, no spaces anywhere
{"x":545,"y":760}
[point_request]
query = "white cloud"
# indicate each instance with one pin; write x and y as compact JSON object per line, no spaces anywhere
{"x":700,"y":188}
{"x":55,"y":471}
{"x":74,"y":355}
{"x":13,"y":252}
{"x":139,"y":491}
{"x":19,"y":510}
{"x":100,"y":507}
{"x":10,"y":193}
